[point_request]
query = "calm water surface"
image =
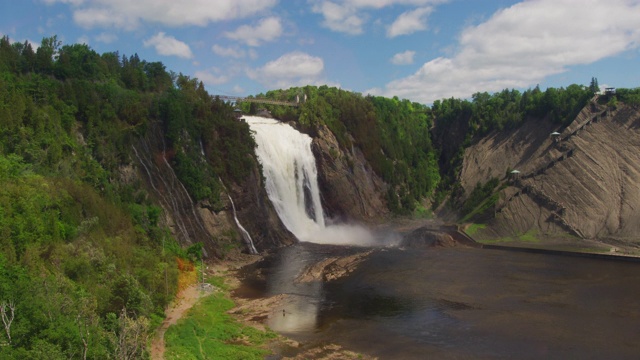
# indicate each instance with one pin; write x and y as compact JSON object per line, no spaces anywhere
{"x":458,"y":303}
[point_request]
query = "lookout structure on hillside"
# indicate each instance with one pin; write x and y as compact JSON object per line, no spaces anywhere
{"x":239,"y":99}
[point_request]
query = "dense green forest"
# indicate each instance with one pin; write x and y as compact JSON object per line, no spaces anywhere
{"x":86,"y":265}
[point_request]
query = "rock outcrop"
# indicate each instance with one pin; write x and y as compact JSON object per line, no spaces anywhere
{"x":585,"y":182}
{"x":350,"y":189}
{"x":192,"y":222}
{"x":438,"y":236}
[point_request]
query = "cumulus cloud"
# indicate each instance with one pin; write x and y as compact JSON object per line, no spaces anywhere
{"x":72,"y":2}
{"x":409,"y":22}
{"x":237,"y":89}
{"x":521,"y":45}
{"x":349,"y":16}
{"x":84,"y":39}
{"x":106,"y":38}
{"x":212,"y":76}
{"x":228,"y":51}
{"x":403,"y":58}
{"x":169,"y":46}
{"x":291,"y":69}
{"x":267,"y":29}
{"x":340,"y":17}
{"x":129,"y":14}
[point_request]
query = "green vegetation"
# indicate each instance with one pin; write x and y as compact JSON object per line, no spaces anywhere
{"x":628,"y":96}
{"x":87,"y":264}
{"x":481,"y":199}
{"x":530,"y":237}
{"x":474,"y":228}
{"x":208,"y":332}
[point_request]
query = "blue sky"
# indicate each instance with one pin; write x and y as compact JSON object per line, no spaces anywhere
{"x":422,"y":50}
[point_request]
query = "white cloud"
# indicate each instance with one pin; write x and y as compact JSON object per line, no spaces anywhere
{"x":84,"y":39}
{"x":106,"y":38}
{"x":128,"y":14}
{"x":521,"y":45}
{"x":72,"y":2}
{"x":267,"y":29}
{"x":237,"y":89}
{"x":228,"y":52}
{"x":403,"y":58}
{"x":378,"y":4}
{"x":409,"y":22}
{"x":212,"y":77}
{"x":340,"y":18}
{"x":292,"y":69}
{"x":102,"y":17}
{"x":349,"y":16}
{"x":169,"y":46}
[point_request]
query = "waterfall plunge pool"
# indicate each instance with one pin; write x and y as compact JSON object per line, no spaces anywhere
{"x":448,"y":303}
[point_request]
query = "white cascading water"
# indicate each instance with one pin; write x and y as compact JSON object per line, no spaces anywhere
{"x":289,"y":168}
{"x":245,"y":234}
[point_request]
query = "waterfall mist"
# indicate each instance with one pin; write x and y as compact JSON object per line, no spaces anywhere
{"x":289,"y":168}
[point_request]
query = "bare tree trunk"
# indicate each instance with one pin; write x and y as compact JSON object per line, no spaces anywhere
{"x":7,"y":319}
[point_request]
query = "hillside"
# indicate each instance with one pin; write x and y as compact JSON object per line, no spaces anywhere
{"x":115,"y":176}
{"x":585,"y":183}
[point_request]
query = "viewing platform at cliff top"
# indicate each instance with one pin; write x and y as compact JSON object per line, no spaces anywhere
{"x":239,"y":99}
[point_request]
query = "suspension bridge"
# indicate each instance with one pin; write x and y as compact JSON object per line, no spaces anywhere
{"x":239,"y":99}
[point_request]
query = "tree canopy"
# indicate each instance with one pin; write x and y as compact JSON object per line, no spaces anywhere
{"x":85,"y":260}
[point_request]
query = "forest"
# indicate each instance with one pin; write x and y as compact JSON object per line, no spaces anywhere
{"x":87,"y":265}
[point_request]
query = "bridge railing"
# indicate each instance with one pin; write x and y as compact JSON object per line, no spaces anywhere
{"x":238,"y":99}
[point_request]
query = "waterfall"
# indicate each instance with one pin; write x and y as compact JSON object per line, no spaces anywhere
{"x":245,"y":233}
{"x":289,"y":168}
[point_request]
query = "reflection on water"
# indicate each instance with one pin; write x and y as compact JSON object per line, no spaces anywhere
{"x":299,"y":313}
{"x":460,"y":303}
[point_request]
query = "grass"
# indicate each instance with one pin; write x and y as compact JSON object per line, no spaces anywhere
{"x":474,"y":228}
{"x":422,"y":212}
{"x":208,"y":332}
{"x":530,"y":236}
{"x":482,"y":208}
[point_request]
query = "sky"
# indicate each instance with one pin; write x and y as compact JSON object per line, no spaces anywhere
{"x":421,"y":50}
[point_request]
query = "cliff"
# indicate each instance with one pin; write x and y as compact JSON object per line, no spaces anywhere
{"x":583,"y":182}
{"x":198,"y":221}
{"x":350,"y":189}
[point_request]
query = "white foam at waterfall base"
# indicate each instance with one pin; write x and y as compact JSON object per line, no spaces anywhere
{"x":291,"y":179}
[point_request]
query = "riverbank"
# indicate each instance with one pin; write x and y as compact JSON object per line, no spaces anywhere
{"x":247,"y":312}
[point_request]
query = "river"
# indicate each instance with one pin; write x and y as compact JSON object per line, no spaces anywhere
{"x":457,"y":303}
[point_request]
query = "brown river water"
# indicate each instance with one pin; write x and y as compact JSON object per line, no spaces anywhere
{"x":457,"y":303}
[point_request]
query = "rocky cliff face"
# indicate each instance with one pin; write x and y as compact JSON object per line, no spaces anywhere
{"x":350,"y":188}
{"x":192,"y":222}
{"x":585,"y":182}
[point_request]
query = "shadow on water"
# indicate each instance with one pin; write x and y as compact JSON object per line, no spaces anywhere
{"x":457,"y":303}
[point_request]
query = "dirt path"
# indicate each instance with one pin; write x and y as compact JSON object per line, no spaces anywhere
{"x":190,"y":296}
{"x":184,"y":301}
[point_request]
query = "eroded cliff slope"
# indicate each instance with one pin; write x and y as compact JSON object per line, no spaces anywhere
{"x":584,"y":182}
